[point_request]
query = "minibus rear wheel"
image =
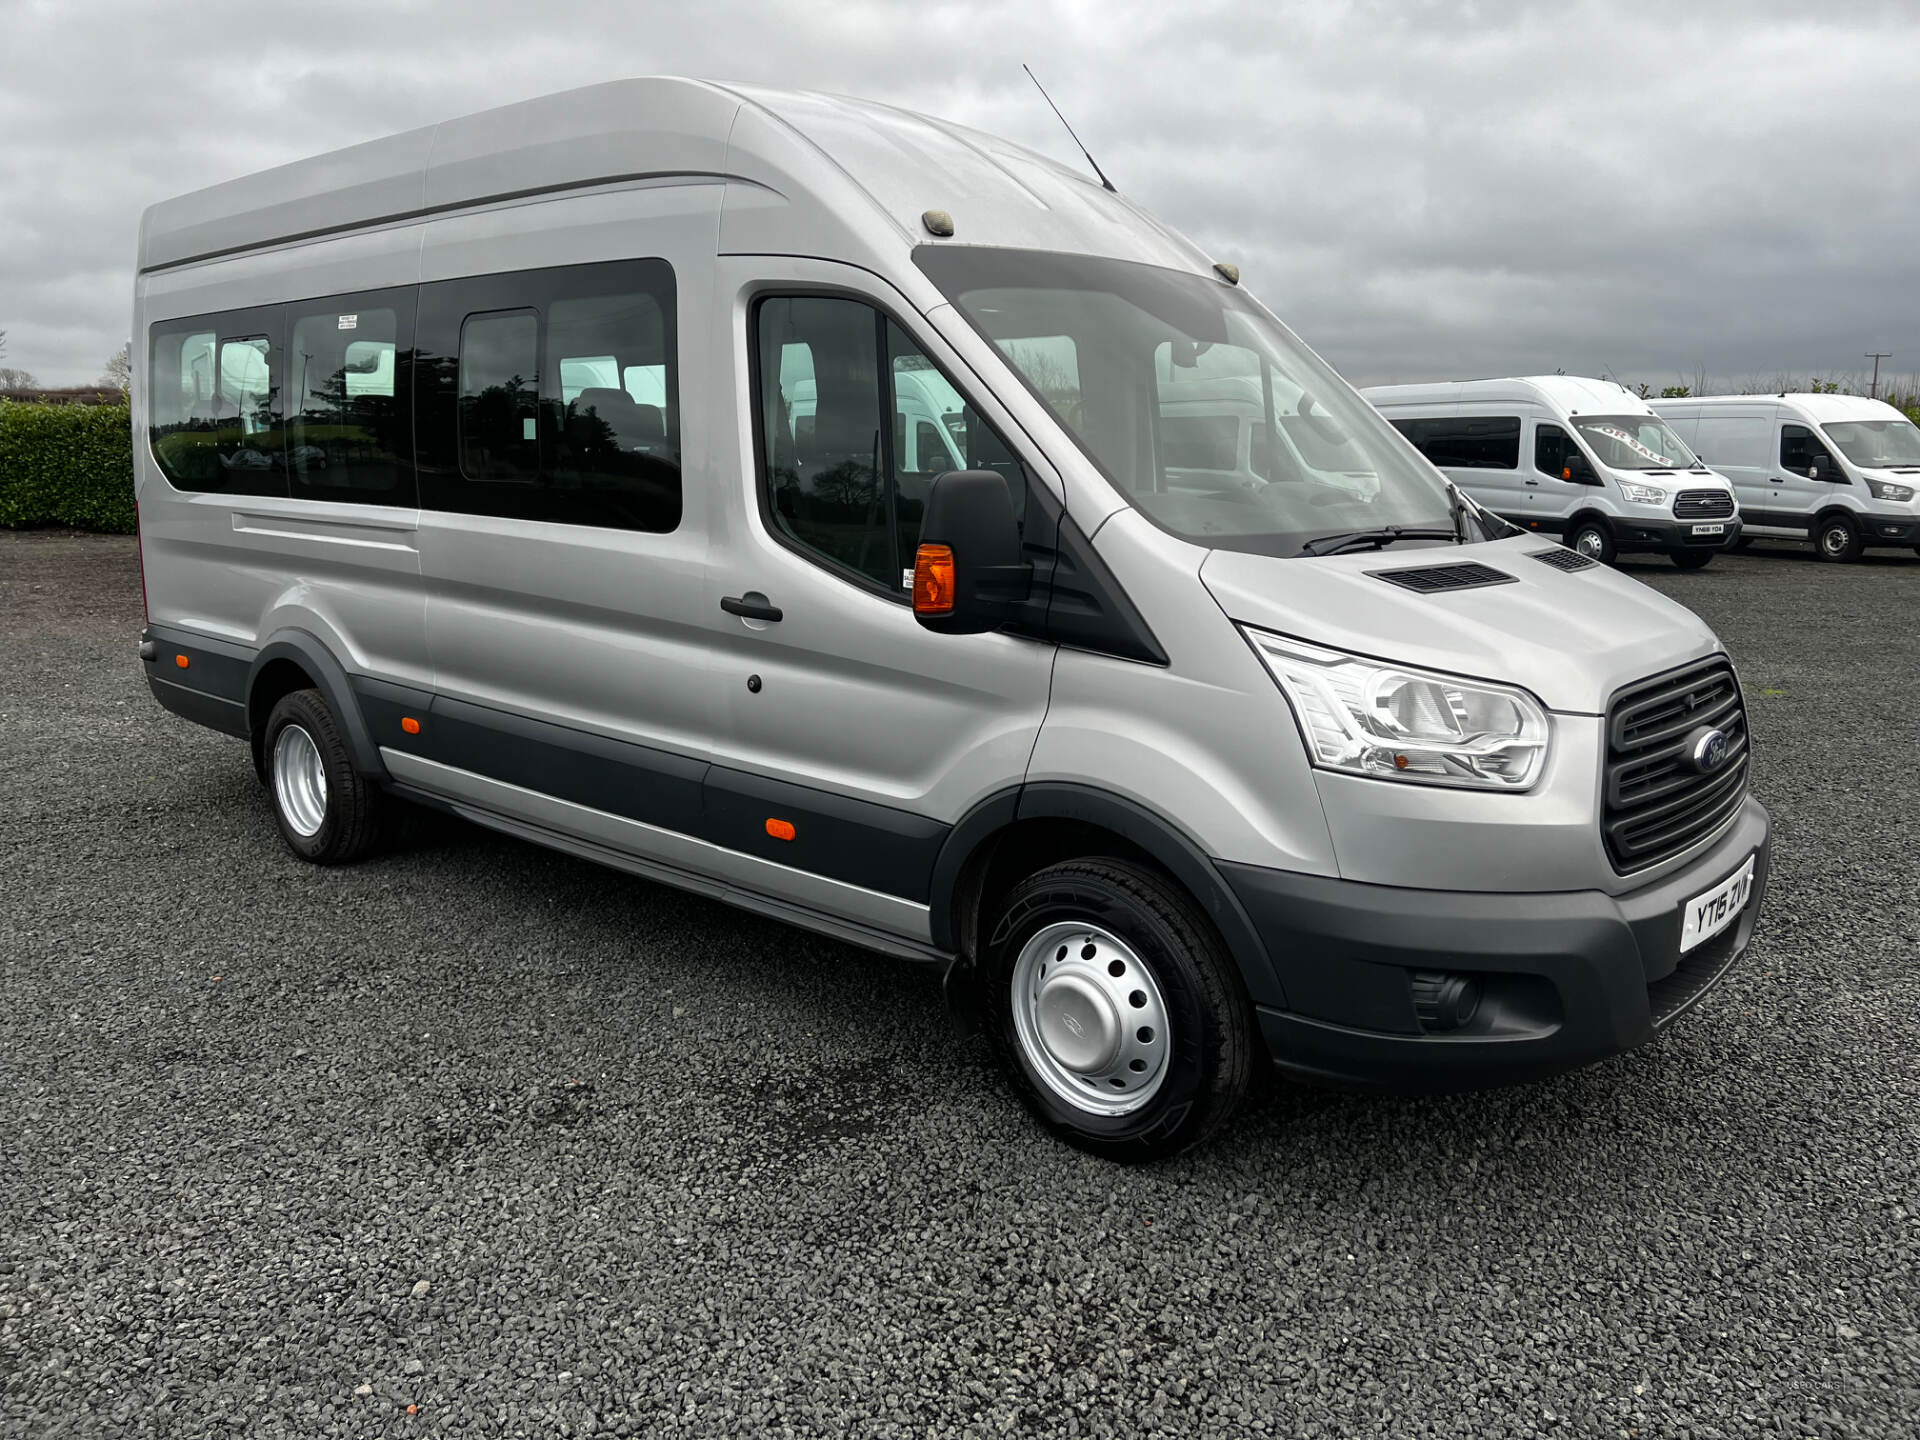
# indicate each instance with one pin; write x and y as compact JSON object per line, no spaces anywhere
{"x":328,"y":812}
{"x":1592,"y":539}
{"x":1118,"y":1011}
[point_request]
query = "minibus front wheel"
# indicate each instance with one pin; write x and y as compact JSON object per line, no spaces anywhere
{"x":328,"y":812}
{"x":1590,"y":537}
{"x":1118,"y":1012}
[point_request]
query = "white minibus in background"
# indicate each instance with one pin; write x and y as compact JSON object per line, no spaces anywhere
{"x":1584,"y":460}
{"x":1839,"y":470}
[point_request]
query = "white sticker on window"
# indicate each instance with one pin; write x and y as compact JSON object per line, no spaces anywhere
{"x":906,"y":579}
{"x":349,"y":322}
{"x":526,"y":428}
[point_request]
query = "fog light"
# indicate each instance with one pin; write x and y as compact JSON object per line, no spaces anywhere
{"x":1443,"y":1001}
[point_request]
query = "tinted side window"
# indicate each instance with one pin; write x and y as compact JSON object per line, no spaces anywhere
{"x":214,"y":403}
{"x":856,"y":423}
{"x":1551,"y":446}
{"x":350,"y":404}
{"x":1800,"y":447}
{"x":1470,"y":442}
{"x":552,"y":395}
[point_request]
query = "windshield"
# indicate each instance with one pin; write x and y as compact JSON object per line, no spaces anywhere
{"x":1877,"y":444}
{"x":1634,"y":442}
{"x":1206,"y":413}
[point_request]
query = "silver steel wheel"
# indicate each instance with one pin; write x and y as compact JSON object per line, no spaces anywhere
{"x":299,"y":781}
{"x":1835,"y":539}
{"x":1090,"y":1019}
{"x":1590,"y":543}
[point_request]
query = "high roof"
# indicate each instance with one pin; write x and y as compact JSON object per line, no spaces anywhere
{"x":855,"y":177}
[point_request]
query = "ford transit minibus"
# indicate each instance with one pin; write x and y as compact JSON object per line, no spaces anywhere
{"x":1584,"y":460}
{"x":577,"y":468}
{"x":1840,"y":470}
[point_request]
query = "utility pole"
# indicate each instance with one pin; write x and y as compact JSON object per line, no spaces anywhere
{"x":1873,"y":390}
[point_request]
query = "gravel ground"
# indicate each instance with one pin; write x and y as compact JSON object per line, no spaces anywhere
{"x":476,"y":1139}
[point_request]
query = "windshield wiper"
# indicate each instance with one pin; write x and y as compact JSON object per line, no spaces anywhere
{"x":1379,"y":539}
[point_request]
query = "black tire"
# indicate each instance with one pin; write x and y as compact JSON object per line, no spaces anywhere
{"x":1591,"y":537}
{"x":1210,"y":1029}
{"x":1837,"y":538}
{"x":353,"y":809}
{"x":1692,"y":559}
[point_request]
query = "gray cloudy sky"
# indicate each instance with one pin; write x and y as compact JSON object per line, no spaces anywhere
{"x":1421,"y":189}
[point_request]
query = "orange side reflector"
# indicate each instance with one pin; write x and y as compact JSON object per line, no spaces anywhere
{"x":410,"y":725}
{"x":780,"y":829}
{"x":934,"y":586}
{"x":181,"y":661}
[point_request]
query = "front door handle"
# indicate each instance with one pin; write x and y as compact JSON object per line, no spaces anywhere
{"x":750,"y":606}
{"x":1533,"y":482}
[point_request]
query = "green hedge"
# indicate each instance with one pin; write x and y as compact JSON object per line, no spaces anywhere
{"x":66,"y":465}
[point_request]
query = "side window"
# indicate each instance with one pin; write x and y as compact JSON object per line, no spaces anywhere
{"x":499,"y":387}
{"x":214,"y":402}
{"x":1800,"y":447}
{"x":1551,"y":446}
{"x":350,"y":416}
{"x":1467,"y":442}
{"x":551,"y":395}
{"x":856,"y":423}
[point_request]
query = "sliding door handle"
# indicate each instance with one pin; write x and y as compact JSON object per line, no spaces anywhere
{"x":751,"y":606}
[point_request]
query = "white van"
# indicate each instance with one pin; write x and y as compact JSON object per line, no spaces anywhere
{"x":1584,"y":460}
{"x":785,"y":498}
{"x":1839,"y":470}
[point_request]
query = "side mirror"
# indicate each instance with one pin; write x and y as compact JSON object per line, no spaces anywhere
{"x":1574,"y":468}
{"x":968,"y":575}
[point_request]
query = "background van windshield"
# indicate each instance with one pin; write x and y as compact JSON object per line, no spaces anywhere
{"x":1206,"y":413}
{"x":1877,"y":444}
{"x":1634,"y":442}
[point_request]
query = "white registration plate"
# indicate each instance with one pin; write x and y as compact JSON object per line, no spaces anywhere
{"x":1720,"y":529}
{"x":1707,"y":915}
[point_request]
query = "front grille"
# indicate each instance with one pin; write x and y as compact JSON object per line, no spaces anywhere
{"x":1427,"y":579}
{"x":1656,"y":803}
{"x":1561,"y":558}
{"x":1702,"y":505}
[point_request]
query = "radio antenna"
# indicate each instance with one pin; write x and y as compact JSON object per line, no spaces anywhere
{"x":1063,"y":120}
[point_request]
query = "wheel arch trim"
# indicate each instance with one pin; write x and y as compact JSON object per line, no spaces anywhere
{"x":330,"y":679}
{"x":1159,"y":838}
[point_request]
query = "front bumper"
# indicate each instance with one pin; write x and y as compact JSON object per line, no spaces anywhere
{"x":1633,"y":535}
{"x":1567,"y":978}
{"x":1889,"y":529}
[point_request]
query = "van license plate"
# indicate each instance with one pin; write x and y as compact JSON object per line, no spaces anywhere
{"x":1707,"y":915}
{"x":1710,"y":529}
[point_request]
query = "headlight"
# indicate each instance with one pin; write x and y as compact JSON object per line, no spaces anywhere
{"x":1394,"y":723}
{"x":1644,"y":494}
{"x":1887,"y":490}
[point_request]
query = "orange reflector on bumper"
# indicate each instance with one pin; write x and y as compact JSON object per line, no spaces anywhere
{"x":934,"y":586}
{"x":410,"y":725}
{"x":181,"y":661}
{"x":780,"y":829}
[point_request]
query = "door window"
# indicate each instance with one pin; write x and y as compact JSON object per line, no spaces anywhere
{"x":1799,"y":448}
{"x":856,"y":424}
{"x":1551,"y":447}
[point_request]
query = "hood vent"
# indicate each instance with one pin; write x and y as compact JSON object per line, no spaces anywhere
{"x":1432,"y":579}
{"x":1561,"y":558}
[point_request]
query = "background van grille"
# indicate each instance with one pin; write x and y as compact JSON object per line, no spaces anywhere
{"x":1656,"y":804}
{"x":1702,"y":505}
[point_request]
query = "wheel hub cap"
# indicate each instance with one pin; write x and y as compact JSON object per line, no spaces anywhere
{"x":1090,"y":1019}
{"x":299,"y":781}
